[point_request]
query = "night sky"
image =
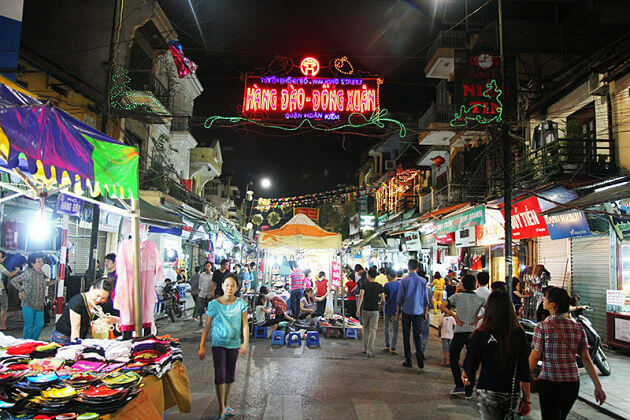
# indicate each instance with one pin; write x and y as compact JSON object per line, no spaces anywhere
{"x":387,"y":38}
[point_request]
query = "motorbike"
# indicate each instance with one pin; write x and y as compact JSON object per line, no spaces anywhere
{"x":172,"y":303}
{"x":594,"y":340}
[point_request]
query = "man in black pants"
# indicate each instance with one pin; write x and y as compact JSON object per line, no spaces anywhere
{"x":468,"y":305}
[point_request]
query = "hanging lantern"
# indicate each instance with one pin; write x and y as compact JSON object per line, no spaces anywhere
{"x":273,"y":218}
{"x":438,"y":161}
{"x":257,"y":219}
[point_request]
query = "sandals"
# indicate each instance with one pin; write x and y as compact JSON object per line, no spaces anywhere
{"x":229,"y":412}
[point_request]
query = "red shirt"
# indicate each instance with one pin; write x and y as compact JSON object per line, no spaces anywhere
{"x":559,"y":339}
{"x":349,"y":286}
{"x":322,"y":287}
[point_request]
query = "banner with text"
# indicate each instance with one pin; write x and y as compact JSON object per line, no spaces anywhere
{"x":568,"y":224}
{"x":311,"y":213}
{"x":469,"y":218}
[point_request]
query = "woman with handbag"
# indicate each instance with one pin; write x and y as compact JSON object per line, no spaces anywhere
{"x":499,"y":345}
{"x":556,"y":342}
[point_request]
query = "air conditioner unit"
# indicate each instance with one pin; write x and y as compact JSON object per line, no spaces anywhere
{"x":390,"y":164}
{"x":595,"y":85}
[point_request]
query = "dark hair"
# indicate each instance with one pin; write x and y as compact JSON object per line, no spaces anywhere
{"x":469,"y":282}
{"x":102,"y":284}
{"x":307,"y":290}
{"x":412,"y":264}
{"x":350,"y":275}
{"x":263,"y":290}
{"x":560,"y":297}
{"x":358,"y":267}
{"x":32,"y":259}
{"x":206,"y":263}
{"x":391,"y":272}
{"x":437,"y":275}
{"x":421,"y":273}
{"x":111,"y":257}
{"x":252,"y":264}
{"x":167,"y":280}
{"x":499,"y":286}
{"x":223,"y":262}
{"x":499,"y":319}
{"x":381,"y":270}
{"x":483,"y":278}
{"x":3,"y":254}
{"x":231,"y":276}
{"x":399,"y":273}
{"x":259,"y":300}
{"x":372,"y":272}
{"x":307,"y":272}
{"x":322,"y":274}
{"x":197,"y":269}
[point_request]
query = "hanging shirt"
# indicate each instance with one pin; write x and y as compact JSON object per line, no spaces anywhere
{"x":150,"y":273}
{"x":227,"y":325}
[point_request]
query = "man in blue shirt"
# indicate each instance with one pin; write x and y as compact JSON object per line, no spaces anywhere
{"x":389,"y":312}
{"x":413,"y":304}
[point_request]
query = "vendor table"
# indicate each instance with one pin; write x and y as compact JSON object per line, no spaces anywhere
{"x":158,"y":395}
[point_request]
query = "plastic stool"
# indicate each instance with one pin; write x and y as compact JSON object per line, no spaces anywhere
{"x":260,"y":332}
{"x":277,"y":338}
{"x":352,"y":333}
{"x":294,"y":339}
{"x":312,"y":339}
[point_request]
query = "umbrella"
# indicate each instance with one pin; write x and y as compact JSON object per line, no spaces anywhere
{"x":55,"y":148}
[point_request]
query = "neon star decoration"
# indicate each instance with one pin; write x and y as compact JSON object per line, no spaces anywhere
{"x":481,"y":112}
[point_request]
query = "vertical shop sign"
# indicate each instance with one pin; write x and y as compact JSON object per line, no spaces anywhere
{"x":363,"y":205}
{"x":526,"y":219}
{"x":335,"y":274}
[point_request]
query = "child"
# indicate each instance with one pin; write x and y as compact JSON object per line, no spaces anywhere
{"x":230,"y":322}
{"x":446,"y":328}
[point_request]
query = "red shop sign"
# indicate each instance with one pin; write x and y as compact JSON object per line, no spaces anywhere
{"x":526,"y":219}
{"x":447,"y":238}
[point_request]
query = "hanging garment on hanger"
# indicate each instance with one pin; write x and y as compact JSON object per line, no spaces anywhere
{"x":150,"y":273}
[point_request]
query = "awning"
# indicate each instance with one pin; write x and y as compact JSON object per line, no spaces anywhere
{"x":152,"y":215}
{"x":465,"y":219}
{"x":604,"y":195}
{"x":443,"y":211}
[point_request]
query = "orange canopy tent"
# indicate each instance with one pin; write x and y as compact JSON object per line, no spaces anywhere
{"x":299,"y":233}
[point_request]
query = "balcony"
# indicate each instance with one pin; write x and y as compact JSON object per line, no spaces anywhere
{"x":442,"y":54}
{"x":142,"y":82}
{"x":452,"y":194}
{"x":570,"y":160}
{"x":180,"y":124}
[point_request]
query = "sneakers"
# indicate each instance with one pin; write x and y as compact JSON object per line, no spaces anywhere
{"x":458,"y":391}
{"x":420,"y":359}
{"x":468,"y":395}
{"x":406,"y":364}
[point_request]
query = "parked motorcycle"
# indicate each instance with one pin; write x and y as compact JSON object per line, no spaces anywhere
{"x":594,"y":340}
{"x":172,"y":303}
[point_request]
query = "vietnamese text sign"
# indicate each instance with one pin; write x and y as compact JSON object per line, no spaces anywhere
{"x":568,"y":224}
{"x":469,"y":218}
{"x":526,"y":219}
{"x":333,"y":99}
{"x":309,"y":212}
{"x":69,"y":205}
{"x":465,"y":237}
{"x":335,"y":274}
{"x":615,"y":297}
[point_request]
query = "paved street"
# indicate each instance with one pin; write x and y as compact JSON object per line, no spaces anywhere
{"x":334,"y":381}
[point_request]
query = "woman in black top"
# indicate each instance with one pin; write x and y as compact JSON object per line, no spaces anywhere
{"x":500,"y":346}
{"x":80,"y":312}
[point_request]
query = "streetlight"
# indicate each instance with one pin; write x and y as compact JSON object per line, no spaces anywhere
{"x":265,"y":183}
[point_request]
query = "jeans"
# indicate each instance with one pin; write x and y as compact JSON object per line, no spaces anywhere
{"x":296,"y":295}
{"x":321,"y":306}
{"x":424,"y":334}
{"x":59,"y":338}
{"x":33,"y":323}
{"x":369,"y":330}
{"x":202,"y":306}
{"x":557,"y":398}
{"x":459,"y":340}
{"x":495,"y":405}
{"x":391,"y":319}
{"x":195,"y":299}
{"x":409,"y":322}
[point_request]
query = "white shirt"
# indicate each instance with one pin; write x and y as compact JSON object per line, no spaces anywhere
{"x":447,"y":327}
{"x":205,"y":285}
{"x":482,"y":292}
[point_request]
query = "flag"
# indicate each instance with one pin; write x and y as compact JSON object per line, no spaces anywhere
{"x":184,"y":65}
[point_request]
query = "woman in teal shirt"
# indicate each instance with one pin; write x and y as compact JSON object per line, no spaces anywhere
{"x":230,"y":323}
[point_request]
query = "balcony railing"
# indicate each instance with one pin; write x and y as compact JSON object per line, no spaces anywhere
{"x":567,"y":159}
{"x":144,"y":80}
{"x":441,"y":113}
{"x":180,"y":124}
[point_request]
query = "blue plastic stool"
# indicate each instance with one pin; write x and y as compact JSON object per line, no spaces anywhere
{"x":312,"y":339}
{"x":277,"y":338}
{"x":294,"y":339}
{"x":352,"y":333}
{"x":260,"y":332}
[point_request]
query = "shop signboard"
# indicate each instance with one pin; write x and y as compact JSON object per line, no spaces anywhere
{"x":109,"y":222}
{"x":428,"y":240}
{"x":309,"y":212}
{"x":465,"y":237}
{"x":354,"y":225}
{"x":412,"y":240}
{"x":445,"y":239}
{"x":335,"y":274}
{"x":363,"y":205}
{"x":615,"y":297}
{"x":469,"y":218}
{"x":69,"y":205}
{"x":492,"y":232}
{"x":621,"y":219}
{"x":568,"y":224}
{"x":382,"y":219}
{"x":367,"y":222}
{"x":526,"y":219}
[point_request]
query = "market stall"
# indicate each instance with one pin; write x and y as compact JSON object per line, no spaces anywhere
{"x":309,"y":244}
{"x":47,"y":151}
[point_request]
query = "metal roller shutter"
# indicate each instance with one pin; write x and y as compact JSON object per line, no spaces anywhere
{"x":79,"y":255}
{"x":591,"y":276}
{"x":556,"y":257}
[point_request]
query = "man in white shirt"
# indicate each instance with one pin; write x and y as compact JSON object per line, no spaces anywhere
{"x":205,"y":290}
{"x":482,"y":290}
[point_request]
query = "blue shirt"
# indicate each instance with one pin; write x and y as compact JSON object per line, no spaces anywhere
{"x":228,"y":320}
{"x":391,"y":293}
{"x":413,"y":294}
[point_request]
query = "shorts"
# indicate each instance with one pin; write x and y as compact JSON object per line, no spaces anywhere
{"x":446,"y":344}
{"x":4,"y":300}
{"x":224,"y":365}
